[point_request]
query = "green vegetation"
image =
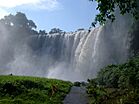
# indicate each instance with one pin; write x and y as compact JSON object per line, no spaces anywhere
{"x":55,"y":30}
{"x":78,"y":84}
{"x":116,"y":84}
{"x":135,"y":37}
{"x":107,"y":8}
{"x":32,"y":90}
{"x":19,"y":23}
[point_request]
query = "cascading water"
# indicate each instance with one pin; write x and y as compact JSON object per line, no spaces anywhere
{"x":70,"y":56}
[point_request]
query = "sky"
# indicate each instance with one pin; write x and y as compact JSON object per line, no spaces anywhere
{"x":68,"y":15}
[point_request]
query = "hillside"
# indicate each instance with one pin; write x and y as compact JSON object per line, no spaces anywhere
{"x":32,"y":90}
{"x":116,"y":84}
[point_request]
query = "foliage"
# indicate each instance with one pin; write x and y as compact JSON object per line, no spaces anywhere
{"x":55,"y":30}
{"x":18,"y":20}
{"x":96,"y":93}
{"x":125,"y":75}
{"x":116,"y":84}
{"x":78,"y":84}
{"x":32,"y":90}
{"x":102,"y":95}
{"x":42,"y":32}
{"x":107,"y":8}
{"x":109,"y":76}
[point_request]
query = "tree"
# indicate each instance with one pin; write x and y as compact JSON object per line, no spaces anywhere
{"x":42,"y":32}
{"x":55,"y":30}
{"x":18,"y":26}
{"x":107,"y":8}
{"x":19,"y":20}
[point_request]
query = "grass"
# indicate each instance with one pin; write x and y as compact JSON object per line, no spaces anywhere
{"x":32,"y":90}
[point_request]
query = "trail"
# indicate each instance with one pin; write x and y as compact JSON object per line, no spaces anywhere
{"x":77,"y":95}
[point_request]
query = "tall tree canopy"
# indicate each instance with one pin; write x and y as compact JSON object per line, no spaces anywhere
{"x":107,"y":8}
{"x":18,"y":20}
{"x":55,"y":30}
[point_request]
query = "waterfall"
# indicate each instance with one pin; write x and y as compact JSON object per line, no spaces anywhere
{"x":92,"y":50}
{"x":70,"y":56}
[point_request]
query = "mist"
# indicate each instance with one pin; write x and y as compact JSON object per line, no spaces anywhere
{"x":74,"y":56}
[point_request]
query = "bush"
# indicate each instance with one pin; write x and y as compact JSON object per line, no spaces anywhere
{"x":78,"y":84}
{"x":116,"y":84}
{"x":123,"y":76}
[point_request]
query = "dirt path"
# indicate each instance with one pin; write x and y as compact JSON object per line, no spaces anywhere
{"x":77,"y":95}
